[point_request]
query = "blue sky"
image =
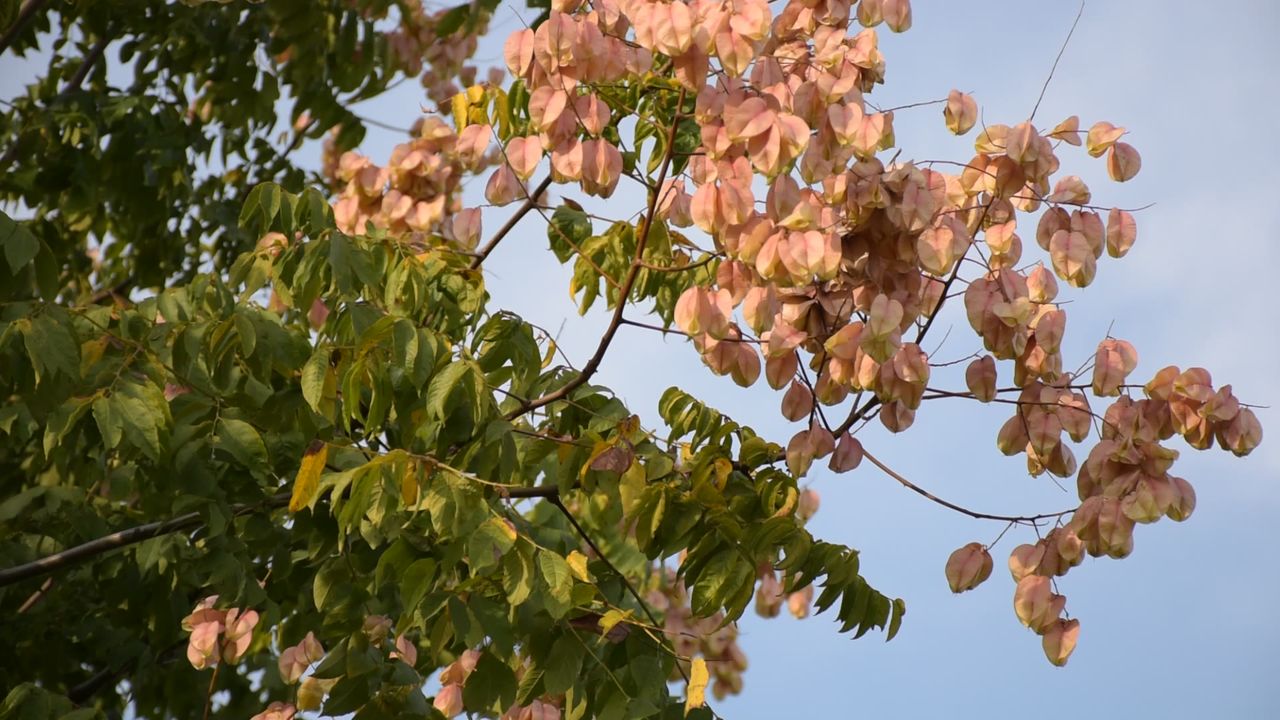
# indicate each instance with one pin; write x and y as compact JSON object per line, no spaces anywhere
{"x":1183,"y":627}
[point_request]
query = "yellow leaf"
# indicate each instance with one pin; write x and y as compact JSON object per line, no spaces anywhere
{"x":628,"y":427}
{"x":631,"y":486}
{"x":460,"y":106}
{"x":698,"y":677}
{"x":611,"y":619}
{"x":307,"y":482}
{"x":578,"y":564}
{"x":409,"y":485}
{"x":722,"y":468}
{"x":550,"y":355}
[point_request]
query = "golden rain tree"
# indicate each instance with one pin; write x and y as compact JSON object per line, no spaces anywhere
{"x":269,"y":450}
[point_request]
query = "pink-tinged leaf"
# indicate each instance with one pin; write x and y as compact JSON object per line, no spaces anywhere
{"x":797,"y":402}
{"x":1101,"y":137}
{"x":896,"y":416}
{"x":1071,"y":190}
{"x":1020,"y":144}
{"x":736,"y":277}
{"x":518,"y":52}
{"x":465,"y":227}
{"x":897,"y":14}
{"x":884,"y":317}
{"x":1060,"y":640}
{"x":1026,"y":559}
{"x":1012,"y":438}
{"x":784,"y":339}
{"x":781,"y":370}
{"x":1123,"y":162}
{"x":847,"y":455}
{"x":593,"y":113}
{"x":566,"y":161}
{"x":1122,"y":231}
{"x":870,"y":13}
{"x":546,"y":105}
{"x":1050,"y":327}
{"x":1113,"y":362}
{"x":472,"y":144}
{"x":523,"y":155}
{"x":799,"y":454}
{"x":1041,"y":285}
{"x":746,"y":370}
{"x":1240,"y":436}
{"x":960,"y":112}
{"x":980,"y":376}
{"x":844,"y":343}
{"x":759,"y":306}
{"x":1053,"y":220}
{"x":601,"y":167}
{"x":968,"y":567}
{"x":748,"y":118}
{"x":1035,"y":603}
{"x":672,"y":28}
{"x":1067,"y":131}
{"x":503,"y":187}
{"x":1073,"y":258}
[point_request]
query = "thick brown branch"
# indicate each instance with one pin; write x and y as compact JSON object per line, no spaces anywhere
{"x":624,"y":291}
{"x":958,"y":508}
{"x":117,"y":540}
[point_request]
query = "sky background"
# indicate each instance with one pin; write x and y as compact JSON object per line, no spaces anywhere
{"x":1185,"y":627}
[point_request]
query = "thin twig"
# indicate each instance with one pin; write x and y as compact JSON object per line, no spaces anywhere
{"x":28,"y":11}
{"x":208,"y":700}
{"x":582,"y":532}
{"x":1022,"y":519}
{"x":1053,"y":69}
{"x":529,"y":204}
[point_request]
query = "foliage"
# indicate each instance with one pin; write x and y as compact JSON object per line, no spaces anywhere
{"x":264,"y":434}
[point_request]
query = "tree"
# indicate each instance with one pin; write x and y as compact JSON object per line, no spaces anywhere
{"x":262,"y":423}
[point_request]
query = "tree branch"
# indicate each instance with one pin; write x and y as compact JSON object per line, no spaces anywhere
{"x":530,"y":203}
{"x":1022,"y":519}
{"x":25,"y":15}
{"x":91,"y":59}
{"x":117,"y":540}
{"x":624,"y":291}
{"x":582,"y":532}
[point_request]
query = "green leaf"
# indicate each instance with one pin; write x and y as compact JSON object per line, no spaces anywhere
{"x":563,"y":664}
{"x":442,"y":387}
{"x":559,"y":581}
{"x":518,"y":574}
{"x":899,"y":609}
{"x":313,"y":376}
{"x":142,"y":412}
{"x":489,"y":543}
{"x":52,"y":348}
{"x":20,"y":246}
{"x":416,"y":583}
{"x":110,"y":426}
{"x":569,"y":227}
{"x":243,"y":442}
{"x":491,"y":683}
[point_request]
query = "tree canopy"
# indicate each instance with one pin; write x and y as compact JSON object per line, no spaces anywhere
{"x":268,"y":447}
